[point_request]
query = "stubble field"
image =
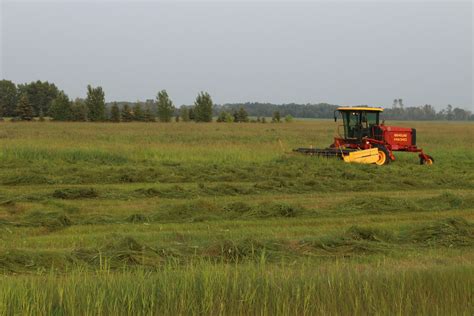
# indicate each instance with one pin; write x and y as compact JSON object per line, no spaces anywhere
{"x":185,"y":218}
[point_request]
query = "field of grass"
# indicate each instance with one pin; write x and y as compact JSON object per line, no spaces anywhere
{"x":185,"y":218}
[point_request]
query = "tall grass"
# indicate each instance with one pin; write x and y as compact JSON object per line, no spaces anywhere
{"x":247,"y":289}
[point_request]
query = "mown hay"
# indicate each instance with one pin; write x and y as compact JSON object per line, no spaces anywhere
{"x":224,"y":189}
{"x":450,"y":232}
{"x":27,"y":179}
{"x":98,"y":219}
{"x":148,"y":192}
{"x":238,"y":250}
{"x":196,"y":210}
{"x":368,"y":234}
{"x":50,"y":220}
{"x":355,"y":240}
{"x":274,"y":209}
{"x":137,"y":218}
{"x":175,"y":191}
{"x":75,"y":193}
{"x":121,"y":251}
{"x":237,"y":207}
{"x":17,"y":261}
{"x":444,"y":201}
{"x":376,"y":204}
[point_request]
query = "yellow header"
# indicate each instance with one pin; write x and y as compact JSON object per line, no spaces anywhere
{"x":359,"y":108}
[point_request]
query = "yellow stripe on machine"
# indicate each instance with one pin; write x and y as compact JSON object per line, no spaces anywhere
{"x":362,"y":156}
{"x":359,"y":108}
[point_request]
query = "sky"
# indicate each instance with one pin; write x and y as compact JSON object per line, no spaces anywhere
{"x":339,"y":52}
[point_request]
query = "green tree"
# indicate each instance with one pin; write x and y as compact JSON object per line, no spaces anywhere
{"x":79,"y":111}
{"x":115,"y":113}
{"x":41,"y":95}
{"x":460,"y":114}
{"x":276,"y":118}
{"x":221,"y":117}
{"x":24,"y":110}
{"x":184,"y":113}
{"x":151,"y":104}
{"x":235,"y":116}
{"x":8,"y":98}
{"x":60,"y":109}
{"x":225,"y":116}
{"x":192,"y":114}
{"x":95,"y":102}
{"x":165,"y":106}
{"x":203,"y":108}
{"x":148,"y":115}
{"x":243,"y":115}
{"x":288,"y":118}
{"x":449,"y":112}
{"x":127,"y":115}
{"x":138,"y":112}
{"x":41,"y":116}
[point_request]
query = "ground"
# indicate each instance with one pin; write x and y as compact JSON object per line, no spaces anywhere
{"x":186,"y":218}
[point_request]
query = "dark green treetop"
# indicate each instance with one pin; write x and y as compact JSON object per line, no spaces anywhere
{"x":165,"y":106}
{"x":95,"y":102}
{"x":60,"y":109}
{"x":203,"y":108}
{"x":24,"y":110}
{"x":115,"y":112}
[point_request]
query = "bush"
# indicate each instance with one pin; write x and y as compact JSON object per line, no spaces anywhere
{"x":225,"y":117}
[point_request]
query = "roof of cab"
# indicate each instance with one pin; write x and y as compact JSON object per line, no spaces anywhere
{"x":359,"y":108}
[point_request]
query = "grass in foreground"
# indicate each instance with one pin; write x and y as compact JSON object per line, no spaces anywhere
{"x":244,"y":289}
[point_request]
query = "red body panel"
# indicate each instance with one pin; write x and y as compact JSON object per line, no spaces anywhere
{"x":398,"y":138}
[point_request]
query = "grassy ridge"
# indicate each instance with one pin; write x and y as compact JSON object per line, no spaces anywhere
{"x":223,"y":218}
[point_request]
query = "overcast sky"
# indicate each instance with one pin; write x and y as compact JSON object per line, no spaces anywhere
{"x":305,"y":52}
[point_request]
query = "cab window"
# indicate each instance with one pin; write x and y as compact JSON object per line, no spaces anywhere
{"x":351,"y":124}
{"x":372,"y":118}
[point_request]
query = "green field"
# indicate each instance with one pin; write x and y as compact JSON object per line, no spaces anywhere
{"x":186,"y":218}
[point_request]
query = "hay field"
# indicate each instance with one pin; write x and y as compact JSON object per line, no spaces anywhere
{"x":186,"y":218}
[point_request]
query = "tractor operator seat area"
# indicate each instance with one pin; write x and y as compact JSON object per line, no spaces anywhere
{"x":359,"y":123}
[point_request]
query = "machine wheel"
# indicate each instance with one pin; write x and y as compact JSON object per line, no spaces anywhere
{"x":384,"y":156}
{"x":428,"y":161}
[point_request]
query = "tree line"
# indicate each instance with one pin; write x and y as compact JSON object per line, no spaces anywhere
{"x":41,"y":99}
{"x":324,"y":110}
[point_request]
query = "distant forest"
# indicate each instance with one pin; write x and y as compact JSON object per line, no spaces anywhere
{"x":43,"y":99}
{"x":324,"y":110}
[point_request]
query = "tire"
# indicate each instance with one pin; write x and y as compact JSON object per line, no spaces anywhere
{"x":427,"y":162}
{"x":384,"y":156}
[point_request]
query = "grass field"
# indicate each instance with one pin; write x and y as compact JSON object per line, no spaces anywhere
{"x":142,"y":219}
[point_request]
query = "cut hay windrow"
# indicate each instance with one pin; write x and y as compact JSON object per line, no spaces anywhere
{"x":122,"y":251}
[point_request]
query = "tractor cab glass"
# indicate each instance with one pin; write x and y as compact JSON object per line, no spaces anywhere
{"x":359,"y":124}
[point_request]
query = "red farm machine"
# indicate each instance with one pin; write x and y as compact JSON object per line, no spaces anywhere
{"x":366,"y":140}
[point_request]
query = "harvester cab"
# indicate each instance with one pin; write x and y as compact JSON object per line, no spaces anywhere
{"x":362,"y":138}
{"x":358,"y":122}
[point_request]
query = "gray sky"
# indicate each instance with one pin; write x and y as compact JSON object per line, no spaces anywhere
{"x":337,"y":52}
